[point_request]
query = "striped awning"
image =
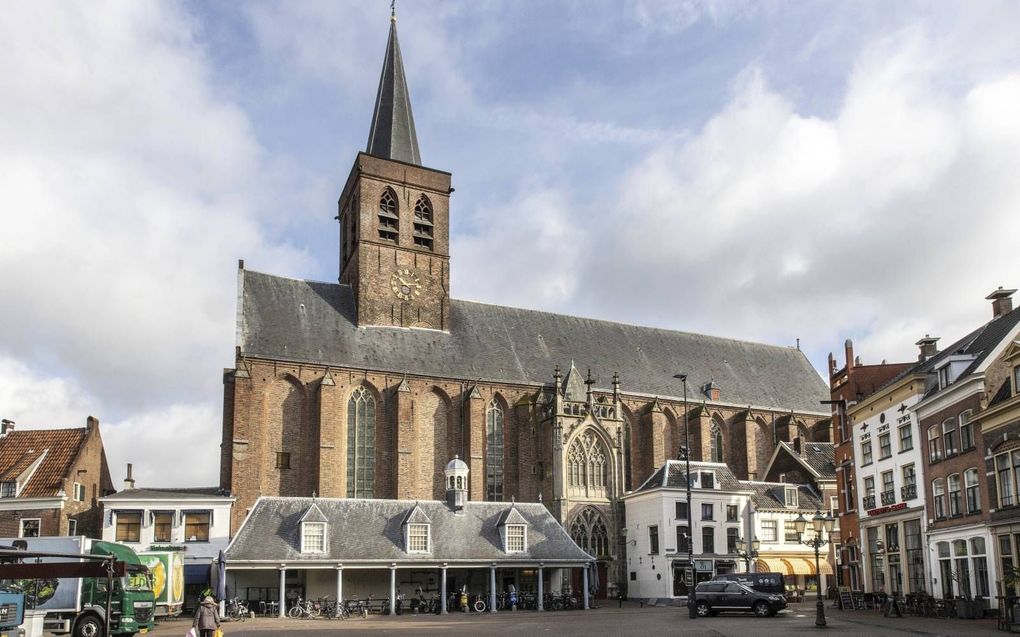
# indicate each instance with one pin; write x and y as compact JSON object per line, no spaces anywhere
{"x":773,"y":565}
{"x":792,"y":565}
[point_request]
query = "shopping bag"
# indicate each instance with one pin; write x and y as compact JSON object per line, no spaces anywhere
{"x":218,"y":633}
{"x":192,"y":632}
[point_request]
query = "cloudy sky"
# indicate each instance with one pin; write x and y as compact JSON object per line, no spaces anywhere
{"x":766,"y":171}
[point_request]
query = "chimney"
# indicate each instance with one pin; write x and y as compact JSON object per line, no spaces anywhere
{"x":927,"y":347}
{"x":848,"y":347}
{"x":6,"y":427}
{"x":798,"y":446}
{"x":1001,"y":303}
{"x":129,"y":482}
{"x":91,"y":422}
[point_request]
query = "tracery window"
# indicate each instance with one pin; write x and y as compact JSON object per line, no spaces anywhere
{"x":494,"y":452}
{"x":423,"y":223}
{"x":389,"y":219}
{"x":361,"y":444}
{"x":587,"y":466}
{"x":589,"y":531}
{"x":716,"y":444}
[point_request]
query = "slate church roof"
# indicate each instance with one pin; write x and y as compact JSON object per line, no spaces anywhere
{"x":306,"y":321}
{"x":368,"y":530}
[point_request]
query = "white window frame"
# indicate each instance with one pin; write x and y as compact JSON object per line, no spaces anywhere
{"x":414,"y":536}
{"x":21,"y":526}
{"x":773,"y":526}
{"x":516,"y":538}
{"x":9,"y":482}
{"x":701,"y":481}
{"x":790,"y":502}
{"x":307,"y":528}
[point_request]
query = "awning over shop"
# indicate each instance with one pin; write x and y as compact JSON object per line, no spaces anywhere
{"x":774,"y":565}
{"x":196,"y":574}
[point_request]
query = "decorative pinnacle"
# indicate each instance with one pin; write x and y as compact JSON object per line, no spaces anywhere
{"x":393,"y":10}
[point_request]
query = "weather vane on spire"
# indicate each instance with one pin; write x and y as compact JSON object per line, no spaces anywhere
{"x":393,"y":10}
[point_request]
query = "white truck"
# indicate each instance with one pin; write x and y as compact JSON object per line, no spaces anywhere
{"x":78,"y":604}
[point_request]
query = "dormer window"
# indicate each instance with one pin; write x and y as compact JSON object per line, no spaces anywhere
{"x":516,"y":538}
{"x":313,"y":530}
{"x":790,"y":497}
{"x":313,"y":537}
{"x":944,"y":378}
{"x":8,"y":489}
{"x":706,"y":479}
{"x":419,"y":538}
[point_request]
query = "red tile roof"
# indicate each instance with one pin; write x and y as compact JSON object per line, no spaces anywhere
{"x":19,"y":449}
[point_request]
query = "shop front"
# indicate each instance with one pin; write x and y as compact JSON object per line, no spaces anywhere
{"x":894,"y":551}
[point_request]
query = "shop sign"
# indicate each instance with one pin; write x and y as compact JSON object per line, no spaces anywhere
{"x":888,"y":509}
{"x":703,"y":565}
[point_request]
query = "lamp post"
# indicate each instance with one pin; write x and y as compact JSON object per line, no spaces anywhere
{"x":819,"y":523}
{"x":686,"y":454}
{"x":748,"y":552}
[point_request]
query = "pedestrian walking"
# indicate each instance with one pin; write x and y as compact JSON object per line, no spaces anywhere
{"x":207,"y":618}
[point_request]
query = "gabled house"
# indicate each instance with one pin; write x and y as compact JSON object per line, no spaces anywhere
{"x":51,"y":481}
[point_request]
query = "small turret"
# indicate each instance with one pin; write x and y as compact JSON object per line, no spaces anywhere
{"x":456,"y":483}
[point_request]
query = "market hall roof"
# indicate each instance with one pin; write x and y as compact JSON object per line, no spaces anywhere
{"x":307,"y":321}
{"x":368,"y":530}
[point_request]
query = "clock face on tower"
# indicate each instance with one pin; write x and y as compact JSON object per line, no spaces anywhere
{"x":406,"y":284}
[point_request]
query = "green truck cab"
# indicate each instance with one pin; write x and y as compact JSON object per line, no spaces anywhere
{"x":132,"y":601}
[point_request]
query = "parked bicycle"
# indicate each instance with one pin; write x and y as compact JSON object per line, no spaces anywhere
{"x":237,"y":609}
{"x":304,"y":608}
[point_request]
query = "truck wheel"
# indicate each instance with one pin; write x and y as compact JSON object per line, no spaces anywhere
{"x":89,"y":626}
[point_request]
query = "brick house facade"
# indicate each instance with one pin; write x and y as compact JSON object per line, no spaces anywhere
{"x":848,"y":385}
{"x":51,"y":480}
{"x":367,"y":388}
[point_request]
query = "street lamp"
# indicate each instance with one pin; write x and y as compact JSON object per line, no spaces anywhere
{"x":748,"y":553}
{"x":686,"y":454}
{"x":819,"y":523}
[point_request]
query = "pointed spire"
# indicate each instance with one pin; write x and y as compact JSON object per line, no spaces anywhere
{"x":392,"y":134}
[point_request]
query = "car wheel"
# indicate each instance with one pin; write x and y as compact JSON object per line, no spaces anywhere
{"x":761,"y":609}
{"x":702,"y":609}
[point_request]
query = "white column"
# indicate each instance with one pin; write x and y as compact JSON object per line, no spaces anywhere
{"x":492,"y":589}
{"x":541,"y":593}
{"x":393,"y":590}
{"x":283,"y":592}
{"x":339,"y":587}
{"x":584,"y":583}
{"x":223,"y":602}
{"x":442,"y":591}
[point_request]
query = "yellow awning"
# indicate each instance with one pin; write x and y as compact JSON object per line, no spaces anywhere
{"x":773,"y":565}
{"x":806,"y":566}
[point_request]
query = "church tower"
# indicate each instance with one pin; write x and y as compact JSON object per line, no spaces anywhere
{"x":394,"y":217}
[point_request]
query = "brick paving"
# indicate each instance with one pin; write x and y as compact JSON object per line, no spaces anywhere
{"x":609,"y":620}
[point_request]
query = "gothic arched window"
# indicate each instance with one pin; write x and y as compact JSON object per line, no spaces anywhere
{"x":423,"y":223}
{"x":589,"y":531}
{"x":389,"y":217}
{"x":716,"y":444}
{"x":361,"y":444}
{"x":587,"y":466}
{"x":494,"y":452}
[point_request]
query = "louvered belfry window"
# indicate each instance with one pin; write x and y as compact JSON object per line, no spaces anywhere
{"x":361,"y":444}
{"x":389,"y":217}
{"x":423,"y":228}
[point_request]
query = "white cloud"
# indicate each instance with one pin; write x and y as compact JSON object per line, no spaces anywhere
{"x":896,"y":215}
{"x":130,"y":188}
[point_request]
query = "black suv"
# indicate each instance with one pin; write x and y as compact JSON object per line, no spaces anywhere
{"x":716,"y":597}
